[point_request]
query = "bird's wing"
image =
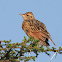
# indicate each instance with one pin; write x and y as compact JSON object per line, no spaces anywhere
{"x":38,"y":29}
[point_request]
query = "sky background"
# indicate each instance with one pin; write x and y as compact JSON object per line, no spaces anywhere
{"x":47,"y":11}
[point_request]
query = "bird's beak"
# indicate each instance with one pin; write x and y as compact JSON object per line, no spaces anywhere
{"x":21,"y":14}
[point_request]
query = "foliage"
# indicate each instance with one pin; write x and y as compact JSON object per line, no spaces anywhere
{"x":15,"y":52}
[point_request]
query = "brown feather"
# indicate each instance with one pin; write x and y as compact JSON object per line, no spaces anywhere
{"x":35,"y":28}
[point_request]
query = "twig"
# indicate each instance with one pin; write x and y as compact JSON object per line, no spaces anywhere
{"x":53,"y":56}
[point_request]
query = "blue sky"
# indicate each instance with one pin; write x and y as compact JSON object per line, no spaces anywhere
{"x":47,"y":11}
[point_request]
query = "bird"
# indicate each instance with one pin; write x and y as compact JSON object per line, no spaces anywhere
{"x":36,"y":29}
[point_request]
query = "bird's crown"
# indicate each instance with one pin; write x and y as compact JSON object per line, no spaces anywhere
{"x":28,"y":13}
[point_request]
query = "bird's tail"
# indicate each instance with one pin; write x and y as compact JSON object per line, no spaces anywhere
{"x":52,"y":41}
{"x":44,"y":42}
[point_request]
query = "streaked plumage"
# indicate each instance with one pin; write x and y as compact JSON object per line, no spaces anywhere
{"x":35,"y":28}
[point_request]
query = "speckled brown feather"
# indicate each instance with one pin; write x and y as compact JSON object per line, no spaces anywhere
{"x":36,"y":29}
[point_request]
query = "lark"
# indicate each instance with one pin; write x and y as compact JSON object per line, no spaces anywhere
{"x":35,"y":29}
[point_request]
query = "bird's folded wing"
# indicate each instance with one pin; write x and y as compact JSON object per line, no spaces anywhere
{"x":39,"y":30}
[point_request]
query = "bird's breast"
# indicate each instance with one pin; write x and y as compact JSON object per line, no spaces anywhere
{"x":25,"y":27}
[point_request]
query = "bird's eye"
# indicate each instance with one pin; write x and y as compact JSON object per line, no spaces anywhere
{"x":27,"y":15}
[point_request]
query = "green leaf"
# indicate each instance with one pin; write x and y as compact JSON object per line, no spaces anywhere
{"x":25,"y":38}
{"x":42,"y":50}
{"x":60,"y":48}
{"x":33,"y":58}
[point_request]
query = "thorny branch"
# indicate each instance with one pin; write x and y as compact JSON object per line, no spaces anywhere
{"x":18,"y":50}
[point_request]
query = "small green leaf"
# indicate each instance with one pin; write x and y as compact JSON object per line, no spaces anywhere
{"x":33,"y":58}
{"x":60,"y":48}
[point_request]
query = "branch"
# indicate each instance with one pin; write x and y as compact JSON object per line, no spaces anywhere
{"x":15,"y":51}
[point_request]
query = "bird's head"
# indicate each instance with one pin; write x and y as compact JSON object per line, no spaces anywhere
{"x":28,"y":16}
